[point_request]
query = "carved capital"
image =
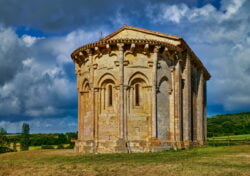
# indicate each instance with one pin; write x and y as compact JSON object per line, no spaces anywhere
{"x":156,"y":49}
{"x":95,"y":66}
{"x":125,"y":63}
{"x":172,"y":68}
{"x":126,"y":87}
{"x":150,"y":63}
{"x":117,"y":63}
{"x":120,"y":46}
{"x":89,"y":52}
{"x":96,"y":89}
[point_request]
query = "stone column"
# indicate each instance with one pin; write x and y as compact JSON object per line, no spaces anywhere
{"x":154,"y":91}
{"x":121,"y":59}
{"x":200,"y":109}
{"x":96,"y":115}
{"x":187,"y":103}
{"x":172,"y":106}
{"x":205,"y":111}
{"x":126,"y":93}
{"x":92,"y":93}
{"x":178,"y":103}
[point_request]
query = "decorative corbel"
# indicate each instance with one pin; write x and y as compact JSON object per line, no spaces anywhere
{"x":146,"y":49}
{"x":132,"y":47}
{"x":97,"y":49}
{"x":108,"y":48}
{"x":166,"y":51}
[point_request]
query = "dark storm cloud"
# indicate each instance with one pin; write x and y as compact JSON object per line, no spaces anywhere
{"x":37,"y":81}
{"x":66,"y":15}
{"x":57,"y":15}
{"x":12,"y":52}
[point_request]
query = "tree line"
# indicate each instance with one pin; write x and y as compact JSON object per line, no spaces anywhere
{"x":9,"y":143}
{"x":228,"y":124}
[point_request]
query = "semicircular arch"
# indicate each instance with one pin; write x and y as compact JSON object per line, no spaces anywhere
{"x":138,"y":76}
{"x":105,"y":77}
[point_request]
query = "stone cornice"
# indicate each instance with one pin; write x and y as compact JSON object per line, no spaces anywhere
{"x":146,"y":42}
{"x":103,"y":43}
{"x":196,"y":59}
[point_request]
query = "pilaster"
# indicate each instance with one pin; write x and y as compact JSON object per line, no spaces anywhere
{"x":187,"y":102}
{"x":178,"y":103}
{"x":172,"y":106}
{"x":200,"y":109}
{"x":154,"y":91}
{"x":92,"y":93}
{"x":121,"y":109}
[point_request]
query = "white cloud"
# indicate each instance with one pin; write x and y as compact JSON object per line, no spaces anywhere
{"x":220,"y":37}
{"x":30,"y":40}
{"x":42,"y":87}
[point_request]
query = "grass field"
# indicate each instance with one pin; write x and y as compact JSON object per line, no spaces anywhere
{"x":214,"y":161}
{"x":234,"y":137}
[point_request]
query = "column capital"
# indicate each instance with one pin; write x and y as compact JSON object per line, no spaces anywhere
{"x":156,"y":49}
{"x":120,"y":46}
{"x":89,"y":52}
{"x":172,"y":68}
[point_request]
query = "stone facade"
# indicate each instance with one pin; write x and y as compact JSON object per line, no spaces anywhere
{"x":139,"y":91}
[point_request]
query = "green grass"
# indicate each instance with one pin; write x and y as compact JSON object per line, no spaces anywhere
{"x":234,"y":137}
{"x":209,"y":161}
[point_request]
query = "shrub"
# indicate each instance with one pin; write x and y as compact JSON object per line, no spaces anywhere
{"x":5,"y":150}
{"x":71,"y":146}
{"x":47,"y":147}
{"x":60,"y":146}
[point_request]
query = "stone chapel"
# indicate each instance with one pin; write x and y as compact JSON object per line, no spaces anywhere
{"x":139,"y":91}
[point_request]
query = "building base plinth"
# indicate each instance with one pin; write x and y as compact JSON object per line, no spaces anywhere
{"x":134,"y":146}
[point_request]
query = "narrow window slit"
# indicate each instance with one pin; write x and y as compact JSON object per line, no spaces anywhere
{"x":137,"y":95}
{"x":110,"y":102}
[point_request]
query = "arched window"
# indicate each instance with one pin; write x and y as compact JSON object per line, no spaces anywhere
{"x":137,"y":95}
{"x":110,"y":96}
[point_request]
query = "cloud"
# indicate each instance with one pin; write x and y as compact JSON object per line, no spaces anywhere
{"x":37,"y":79}
{"x":177,"y":13}
{"x":42,"y":83}
{"x":221,"y":38}
{"x":10,"y":47}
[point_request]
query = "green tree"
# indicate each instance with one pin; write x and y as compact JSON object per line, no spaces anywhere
{"x":25,"y":139}
{"x":3,"y":138}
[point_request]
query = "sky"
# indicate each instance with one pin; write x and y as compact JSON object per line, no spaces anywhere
{"x":37,"y":76}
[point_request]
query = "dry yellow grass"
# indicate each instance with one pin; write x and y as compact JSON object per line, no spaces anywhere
{"x":209,"y":161}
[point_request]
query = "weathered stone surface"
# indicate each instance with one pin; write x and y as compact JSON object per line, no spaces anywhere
{"x":139,"y":91}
